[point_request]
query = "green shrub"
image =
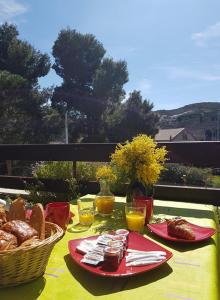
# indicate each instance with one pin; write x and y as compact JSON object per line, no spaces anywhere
{"x":215,"y":181}
{"x":63,"y":170}
{"x":198,"y":176}
{"x":86,"y":171}
{"x":179,"y":174}
{"x":52,"y":170}
{"x":173,"y":173}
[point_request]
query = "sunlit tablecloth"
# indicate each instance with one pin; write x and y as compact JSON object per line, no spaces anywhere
{"x":191,"y":274}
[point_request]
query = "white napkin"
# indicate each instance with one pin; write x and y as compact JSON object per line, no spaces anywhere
{"x":140,"y":258}
{"x":86,"y":246}
{"x":142,"y":263}
{"x":147,"y":252}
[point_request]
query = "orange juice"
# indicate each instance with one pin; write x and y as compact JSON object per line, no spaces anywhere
{"x":105,"y":204}
{"x":86,"y":217}
{"x":135,"y":221}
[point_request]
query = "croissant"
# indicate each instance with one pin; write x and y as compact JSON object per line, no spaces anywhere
{"x":180,"y":228}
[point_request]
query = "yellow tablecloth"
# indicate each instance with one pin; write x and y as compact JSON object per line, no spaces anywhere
{"x":191,"y":274}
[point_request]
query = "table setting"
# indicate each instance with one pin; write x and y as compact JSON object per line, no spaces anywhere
{"x":128,"y":246}
{"x":65,"y":268}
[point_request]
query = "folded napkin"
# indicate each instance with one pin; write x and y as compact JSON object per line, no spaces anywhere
{"x":140,"y":251}
{"x":140,"y":258}
{"x":86,"y":246}
{"x":142,"y":263}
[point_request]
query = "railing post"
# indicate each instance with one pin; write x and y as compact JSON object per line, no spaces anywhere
{"x":9,"y":167}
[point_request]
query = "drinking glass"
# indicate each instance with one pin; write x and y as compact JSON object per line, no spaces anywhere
{"x":86,"y":211}
{"x":135,"y":217}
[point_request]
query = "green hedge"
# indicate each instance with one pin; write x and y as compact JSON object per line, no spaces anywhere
{"x":179,"y":174}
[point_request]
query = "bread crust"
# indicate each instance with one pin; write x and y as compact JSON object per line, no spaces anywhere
{"x":37,"y":220}
{"x":17,"y":210}
{"x":180,"y":228}
{"x":22,"y":230}
{"x":7,"y":241}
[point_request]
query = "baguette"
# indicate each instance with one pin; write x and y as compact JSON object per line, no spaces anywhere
{"x":37,"y":220}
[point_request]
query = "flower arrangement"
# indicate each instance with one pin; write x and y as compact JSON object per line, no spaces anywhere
{"x":139,"y":161}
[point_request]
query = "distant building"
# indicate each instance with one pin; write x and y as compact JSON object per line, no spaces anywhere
{"x":174,"y":134}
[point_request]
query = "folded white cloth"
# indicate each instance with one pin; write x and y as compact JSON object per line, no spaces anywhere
{"x":140,"y":258}
{"x":142,"y":263}
{"x":140,"y":251}
{"x":146,"y":258}
{"x":86,"y":246}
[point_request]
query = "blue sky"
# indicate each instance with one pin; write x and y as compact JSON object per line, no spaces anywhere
{"x":172,"y":47}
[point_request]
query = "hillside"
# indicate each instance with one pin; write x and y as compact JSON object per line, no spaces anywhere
{"x":201,"y":119}
{"x":195,"y":107}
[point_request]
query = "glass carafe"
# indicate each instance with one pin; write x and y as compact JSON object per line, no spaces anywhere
{"x":104,"y":200}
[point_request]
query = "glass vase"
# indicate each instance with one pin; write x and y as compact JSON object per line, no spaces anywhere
{"x":104,"y":200}
{"x":135,"y":189}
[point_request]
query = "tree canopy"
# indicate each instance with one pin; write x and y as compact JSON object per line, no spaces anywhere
{"x":133,"y":117}
{"x":19,"y":57}
{"x":92,"y":92}
{"x":22,"y":103}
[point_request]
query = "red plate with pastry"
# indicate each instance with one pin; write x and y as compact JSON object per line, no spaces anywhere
{"x":180,"y":230}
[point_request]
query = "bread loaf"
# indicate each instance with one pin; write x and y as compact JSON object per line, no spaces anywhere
{"x":7,"y":241}
{"x":37,"y":220}
{"x":17,"y":210}
{"x":22,"y":230}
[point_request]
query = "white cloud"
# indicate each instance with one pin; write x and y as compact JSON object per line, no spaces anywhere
{"x":10,"y":9}
{"x":210,"y":32}
{"x":175,"y":73}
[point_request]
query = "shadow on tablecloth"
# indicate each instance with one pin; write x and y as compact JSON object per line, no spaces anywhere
{"x":97,"y":285}
{"x":184,"y":212}
{"x":26,"y":291}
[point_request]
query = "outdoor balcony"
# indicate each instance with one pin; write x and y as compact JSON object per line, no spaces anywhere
{"x":200,"y":154}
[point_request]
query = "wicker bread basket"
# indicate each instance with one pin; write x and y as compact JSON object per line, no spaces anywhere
{"x":25,"y":264}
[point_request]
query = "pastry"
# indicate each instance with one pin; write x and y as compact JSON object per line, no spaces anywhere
{"x":37,"y":220}
{"x":17,"y":210}
{"x":7,"y":241}
{"x":15,"y":231}
{"x":22,"y":230}
{"x":180,"y":228}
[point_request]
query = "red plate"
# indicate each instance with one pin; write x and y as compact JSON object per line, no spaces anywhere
{"x":136,"y":241}
{"x":201,"y":233}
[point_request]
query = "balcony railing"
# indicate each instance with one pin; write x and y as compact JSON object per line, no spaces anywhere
{"x":199,"y":154}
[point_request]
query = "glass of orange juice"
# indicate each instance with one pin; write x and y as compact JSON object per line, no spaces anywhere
{"x":135,"y":217}
{"x":86,"y":211}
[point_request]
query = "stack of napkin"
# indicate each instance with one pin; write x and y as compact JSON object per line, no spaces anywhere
{"x":142,"y":258}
